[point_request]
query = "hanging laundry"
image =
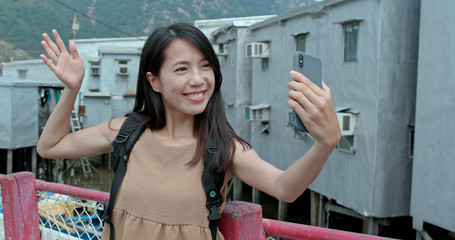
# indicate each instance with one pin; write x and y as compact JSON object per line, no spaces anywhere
{"x":45,"y":98}
{"x":57,"y":94}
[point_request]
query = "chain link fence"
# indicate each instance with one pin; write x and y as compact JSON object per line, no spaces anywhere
{"x":65,"y":217}
{"x":2,"y":224}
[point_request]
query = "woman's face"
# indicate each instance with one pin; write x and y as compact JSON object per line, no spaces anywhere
{"x":186,"y":80}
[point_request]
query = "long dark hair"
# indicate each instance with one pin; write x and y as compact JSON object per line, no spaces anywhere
{"x":212,"y":121}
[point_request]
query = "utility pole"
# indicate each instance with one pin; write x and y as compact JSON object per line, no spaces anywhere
{"x":74,"y":27}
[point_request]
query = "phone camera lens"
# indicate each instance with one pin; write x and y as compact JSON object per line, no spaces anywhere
{"x":300,"y":61}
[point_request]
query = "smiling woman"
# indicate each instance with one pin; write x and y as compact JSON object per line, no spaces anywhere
{"x":186,"y":80}
{"x":179,"y":102}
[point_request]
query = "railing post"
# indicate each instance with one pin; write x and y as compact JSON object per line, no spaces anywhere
{"x":20,"y":206}
{"x":242,"y":221}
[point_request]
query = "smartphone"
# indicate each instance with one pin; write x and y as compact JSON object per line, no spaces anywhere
{"x":311,"y":67}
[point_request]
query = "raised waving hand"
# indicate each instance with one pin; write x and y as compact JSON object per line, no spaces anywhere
{"x":315,"y":107}
{"x":68,"y":68}
{"x":55,"y":141}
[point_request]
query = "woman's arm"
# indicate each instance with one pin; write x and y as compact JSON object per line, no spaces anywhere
{"x":55,"y":141}
{"x":315,"y":107}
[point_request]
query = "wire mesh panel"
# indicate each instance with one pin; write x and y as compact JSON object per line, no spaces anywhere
{"x":2,"y":224}
{"x":65,"y":217}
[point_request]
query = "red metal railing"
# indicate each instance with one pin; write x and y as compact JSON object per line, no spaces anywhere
{"x":241,"y":220}
{"x":299,"y":231}
{"x":72,"y":191}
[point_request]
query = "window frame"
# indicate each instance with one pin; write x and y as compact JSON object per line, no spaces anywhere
{"x":231,"y":52}
{"x":300,"y":36}
{"x":94,"y":66}
{"x":348,"y":141}
{"x":350,"y":53}
{"x":411,"y":140}
{"x":22,"y":73}
{"x":123,"y":65}
{"x":265,"y":64}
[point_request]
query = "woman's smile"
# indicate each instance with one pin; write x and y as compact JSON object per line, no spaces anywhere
{"x":195,"y":96}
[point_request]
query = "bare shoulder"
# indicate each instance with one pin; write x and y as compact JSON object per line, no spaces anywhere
{"x":112,"y":127}
{"x":241,"y":148}
{"x":116,"y":123}
{"x":243,"y":153}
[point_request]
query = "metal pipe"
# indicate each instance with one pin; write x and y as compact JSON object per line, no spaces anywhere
{"x":300,"y":231}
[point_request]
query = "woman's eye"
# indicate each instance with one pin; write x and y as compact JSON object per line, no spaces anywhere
{"x":180,"y":69}
{"x":207,"y":65}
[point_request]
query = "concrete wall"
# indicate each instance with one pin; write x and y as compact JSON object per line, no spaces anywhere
{"x":35,"y":69}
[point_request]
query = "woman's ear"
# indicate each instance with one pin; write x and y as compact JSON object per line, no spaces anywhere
{"x":154,"y":81}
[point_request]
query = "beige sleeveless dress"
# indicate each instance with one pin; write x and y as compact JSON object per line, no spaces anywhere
{"x":161,"y":197}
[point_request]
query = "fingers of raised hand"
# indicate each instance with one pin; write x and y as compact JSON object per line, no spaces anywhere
{"x":49,"y":45}
{"x":314,"y":108}
{"x":299,"y":77}
{"x":73,"y":50}
{"x":298,"y":100}
{"x":53,"y":50}
{"x":59,"y":41}
{"x":45,"y":43}
{"x":301,"y":89}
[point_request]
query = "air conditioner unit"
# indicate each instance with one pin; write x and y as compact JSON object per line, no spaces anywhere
{"x":221,"y":49}
{"x":122,"y":67}
{"x":259,"y":112}
{"x":257,"y":50}
{"x":347,"y":123}
{"x":94,"y":67}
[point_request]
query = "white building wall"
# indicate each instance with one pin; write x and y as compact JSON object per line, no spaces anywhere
{"x":89,"y":50}
{"x":34,"y":69}
{"x":121,"y":89}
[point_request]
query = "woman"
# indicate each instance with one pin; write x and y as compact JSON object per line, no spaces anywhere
{"x":178,"y":89}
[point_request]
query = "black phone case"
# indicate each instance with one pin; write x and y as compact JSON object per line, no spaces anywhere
{"x":311,"y":67}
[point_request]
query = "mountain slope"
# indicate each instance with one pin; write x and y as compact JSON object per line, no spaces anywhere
{"x":23,"y":21}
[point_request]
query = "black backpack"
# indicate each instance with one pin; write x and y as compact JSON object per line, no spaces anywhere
{"x":212,"y":177}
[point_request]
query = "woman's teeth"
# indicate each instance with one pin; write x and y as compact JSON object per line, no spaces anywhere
{"x":198,"y":95}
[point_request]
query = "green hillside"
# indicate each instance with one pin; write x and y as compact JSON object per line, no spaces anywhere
{"x":23,"y":21}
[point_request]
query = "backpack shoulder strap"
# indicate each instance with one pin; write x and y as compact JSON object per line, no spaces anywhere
{"x":213,"y":180}
{"x":123,"y":143}
{"x":212,"y":177}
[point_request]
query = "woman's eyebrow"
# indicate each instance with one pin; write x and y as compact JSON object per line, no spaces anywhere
{"x":185,"y":62}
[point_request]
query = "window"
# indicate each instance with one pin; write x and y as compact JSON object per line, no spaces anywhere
{"x":265,"y":64}
{"x":346,"y":144}
{"x":411,"y":141}
{"x":222,"y":49}
{"x":351,"y":31}
{"x":230,"y":48}
{"x":122,"y":67}
{"x":95,"y":67}
{"x":300,"y":42}
{"x":22,"y":73}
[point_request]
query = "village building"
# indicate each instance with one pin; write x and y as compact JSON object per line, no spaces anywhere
{"x":370,"y":63}
{"x":389,"y":67}
{"x":432,"y":196}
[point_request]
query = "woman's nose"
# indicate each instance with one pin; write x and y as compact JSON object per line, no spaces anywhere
{"x":197,"y":78}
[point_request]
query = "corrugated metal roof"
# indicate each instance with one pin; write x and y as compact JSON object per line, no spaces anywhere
{"x":119,"y":50}
{"x":316,"y":8}
{"x":16,"y":82}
